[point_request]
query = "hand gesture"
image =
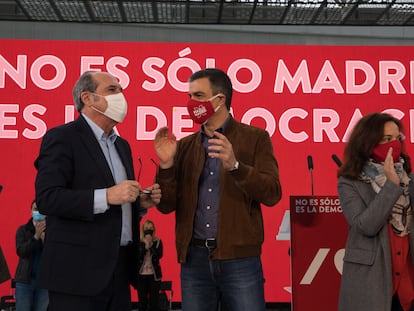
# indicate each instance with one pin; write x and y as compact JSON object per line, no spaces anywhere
{"x":148,"y":200}
{"x":389,"y":169}
{"x":125,"y":192}
{"x":222,"y":149}
{"x":40,"y":227}
{"x":148,"y":241}
{"x":165,"y":144}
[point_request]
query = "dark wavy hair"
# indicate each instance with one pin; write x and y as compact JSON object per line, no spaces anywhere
{"x":367,"y":133}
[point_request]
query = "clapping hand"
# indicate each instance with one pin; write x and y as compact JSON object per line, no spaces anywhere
{"x":165,"y":147}
{"x":389,"y":169}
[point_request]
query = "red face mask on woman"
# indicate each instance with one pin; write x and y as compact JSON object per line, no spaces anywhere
{"x":380,"y":151}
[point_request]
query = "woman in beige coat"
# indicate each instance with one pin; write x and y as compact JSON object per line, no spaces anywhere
{"x":376,"y":190}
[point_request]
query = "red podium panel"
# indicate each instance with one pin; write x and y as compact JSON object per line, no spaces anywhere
{"x":318,"y":235}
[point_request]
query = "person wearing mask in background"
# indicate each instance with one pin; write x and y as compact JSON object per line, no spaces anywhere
{"x":85,"y":185}
{"x":29,"y":246}
{"x":216,"y":180}
{"x":376,"y":190}
{"x":149,"y":278}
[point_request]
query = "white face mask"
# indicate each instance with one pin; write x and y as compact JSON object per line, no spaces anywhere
{"x":117,"y":107}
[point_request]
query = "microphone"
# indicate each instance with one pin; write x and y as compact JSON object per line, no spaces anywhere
{"x":310,"y":162}
{"x":336,"y":160}
{"x":310,"y":167}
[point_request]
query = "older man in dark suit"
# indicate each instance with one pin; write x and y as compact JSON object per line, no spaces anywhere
{"x":85,"y":185}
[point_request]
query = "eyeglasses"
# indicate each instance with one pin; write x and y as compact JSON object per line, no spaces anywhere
{"x":140,"y":170}
{"x":140,"y":167}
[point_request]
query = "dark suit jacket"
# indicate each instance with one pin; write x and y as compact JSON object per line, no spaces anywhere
{"x":81,"y":248}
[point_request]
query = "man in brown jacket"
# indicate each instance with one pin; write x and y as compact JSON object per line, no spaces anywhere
{"x":216,"y":180}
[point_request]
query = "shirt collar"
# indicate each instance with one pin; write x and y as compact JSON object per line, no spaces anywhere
{"x":220,"y":129}
{"x":98,"y":132}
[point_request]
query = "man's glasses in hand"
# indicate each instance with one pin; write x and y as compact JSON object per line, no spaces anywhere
{"x":145,"y":191}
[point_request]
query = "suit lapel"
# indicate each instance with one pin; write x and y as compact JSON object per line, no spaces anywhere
{"x":124,"y":153}
{"x":94,"y":149}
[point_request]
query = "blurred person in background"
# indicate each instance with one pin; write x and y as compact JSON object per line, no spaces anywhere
{"x":30,"y":238}
{"x":149,"y":278}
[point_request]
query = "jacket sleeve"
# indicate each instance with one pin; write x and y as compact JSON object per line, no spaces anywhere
{"x":58,"y":192}
{"x":365,"y":210}
{"x":25,"y":243}
{"x":260,"y":179}
{"x":157,"y":249}
{"x":141,"y":251}
{"x":168,"y":184}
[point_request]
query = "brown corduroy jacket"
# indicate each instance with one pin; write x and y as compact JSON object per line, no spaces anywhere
{"x":240,"y":223}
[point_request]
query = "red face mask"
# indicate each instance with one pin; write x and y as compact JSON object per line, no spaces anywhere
{"x":380,"y":151}
{"x":201,"y":111}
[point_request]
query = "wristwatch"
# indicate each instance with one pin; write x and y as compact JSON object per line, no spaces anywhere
{"x":235,"y":167}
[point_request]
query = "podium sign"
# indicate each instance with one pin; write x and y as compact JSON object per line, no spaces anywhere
{"x":318,"y":235}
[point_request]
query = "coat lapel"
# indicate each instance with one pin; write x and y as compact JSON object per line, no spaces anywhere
{"x":124,"y":152}
{"x":94,"y":149}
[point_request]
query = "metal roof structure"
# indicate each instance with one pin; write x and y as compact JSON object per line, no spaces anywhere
{"x":230,"y":12}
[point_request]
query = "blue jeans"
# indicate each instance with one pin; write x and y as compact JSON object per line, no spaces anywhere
{"x":30,"y":298}
{"x":237,"y":283}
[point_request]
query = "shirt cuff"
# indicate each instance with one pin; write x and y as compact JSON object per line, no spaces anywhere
{"x":99,"y":201}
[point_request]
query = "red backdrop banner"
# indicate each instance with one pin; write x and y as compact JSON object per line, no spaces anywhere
{"x":307,"y":97}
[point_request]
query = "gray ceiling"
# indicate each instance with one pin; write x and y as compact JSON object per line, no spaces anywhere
{"x":230,"y":12}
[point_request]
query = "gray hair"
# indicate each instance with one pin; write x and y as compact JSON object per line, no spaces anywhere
{"x":86,"y":82}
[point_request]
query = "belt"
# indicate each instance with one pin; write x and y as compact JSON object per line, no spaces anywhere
{"x":209,"y":243}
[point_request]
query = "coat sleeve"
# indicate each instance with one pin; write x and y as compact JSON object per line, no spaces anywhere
{"x":365,"y":210}
{"x":260,"y":178}
{"x":25,"y":243}
{"x":58,"y":191}
{"x":157,"y":249}
{"x":168,"y":184}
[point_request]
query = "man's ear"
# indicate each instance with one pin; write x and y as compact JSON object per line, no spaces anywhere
{"x":223,"y":99}
{"x":86,"y":98}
